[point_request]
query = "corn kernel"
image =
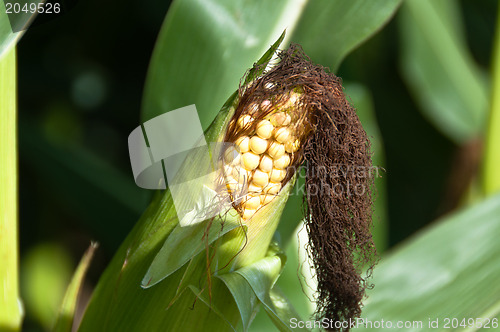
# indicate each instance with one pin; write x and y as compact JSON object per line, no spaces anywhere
{"x":252,"y":188}
{"x":260,"y":178}
{"x":251,"y":202}
{"x":258,"y":145}
{"x":292,"y":146}
{"x":276,"y":150}
{"x":245,"y":120}
{"x":282,"y":134}
{"x":265,"y":198}
{"x":280,"y":119}
{"x":277,"y":175}
{"x":282,"y":162}
{"x":248,"y":213}
{"x":272,"y":188}
{"x":243,"y":143}
{"x":250,"y":161}
{"x":266,"y":163}
{"x":277,"y":119}
{"x":265,"y":129}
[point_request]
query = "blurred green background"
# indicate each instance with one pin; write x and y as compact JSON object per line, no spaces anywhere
{"x":81,"y":82}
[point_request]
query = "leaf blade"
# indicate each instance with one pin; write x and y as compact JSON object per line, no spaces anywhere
{"x":439,"y":70}
{"x":217,"y":43}
{"x":64,"y":322}
{"x":448,"y":270}
{"x":351,"y":21}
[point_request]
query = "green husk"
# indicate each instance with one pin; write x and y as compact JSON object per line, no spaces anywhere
{"x":183,"y":294}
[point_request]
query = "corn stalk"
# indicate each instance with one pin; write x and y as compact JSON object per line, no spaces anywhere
{"x":11,"y":311}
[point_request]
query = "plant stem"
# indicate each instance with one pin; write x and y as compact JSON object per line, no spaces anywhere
{"x":491,"y":174}
{"x":11,"y":312}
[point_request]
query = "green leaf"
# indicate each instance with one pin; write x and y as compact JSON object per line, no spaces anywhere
{"x":205,"y":47}
{"x":259,"y":66}
{"x":261,"y":276}
{"x":201,"y":295}
{"x":439,"y":69}
{"x":243,"y":295}
{"x":330,"y":29}
{"x":66,"y":315}
{"x":281,"y":311}
{"x":183,"y":244}
{"x":448,"y":270}
{"x":11,"y":313}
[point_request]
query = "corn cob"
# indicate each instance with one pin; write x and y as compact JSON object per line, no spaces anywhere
{"x":298,"y":112}
{"x":266,"y":136}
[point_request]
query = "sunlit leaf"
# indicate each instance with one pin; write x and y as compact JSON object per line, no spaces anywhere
{"x":204,"y":49}
{"x":450,"y":270}
{"x":330,"y":29}
{"x":261,"y":276}
{"x":439,"y":69}
{"x":243,"y":295}
{"x":183,"y":244}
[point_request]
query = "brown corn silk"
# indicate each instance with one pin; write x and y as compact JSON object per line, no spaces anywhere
{"x":335,"y":149}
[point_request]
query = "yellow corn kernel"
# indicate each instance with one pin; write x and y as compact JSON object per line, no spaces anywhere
{"x":278,"y":119}
{"x":250,"y":161}
{"x":266,"y":163}
{"x":260,"y":178}
{"x":252,"y":188}
{"x":292,"y":146}
{"x":248,"y":213}
{"x":243,"y":143}
{"x":266,"y":198}
{"x":258,"y":145}
{"x":272,"y":188}
{"x":282,"y":162}
{"x":265,"y":129}
{"x":251,"y":202}
{"x":276,"y":150}
{"x":277,"y":175}
{"x":282,"y":134}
